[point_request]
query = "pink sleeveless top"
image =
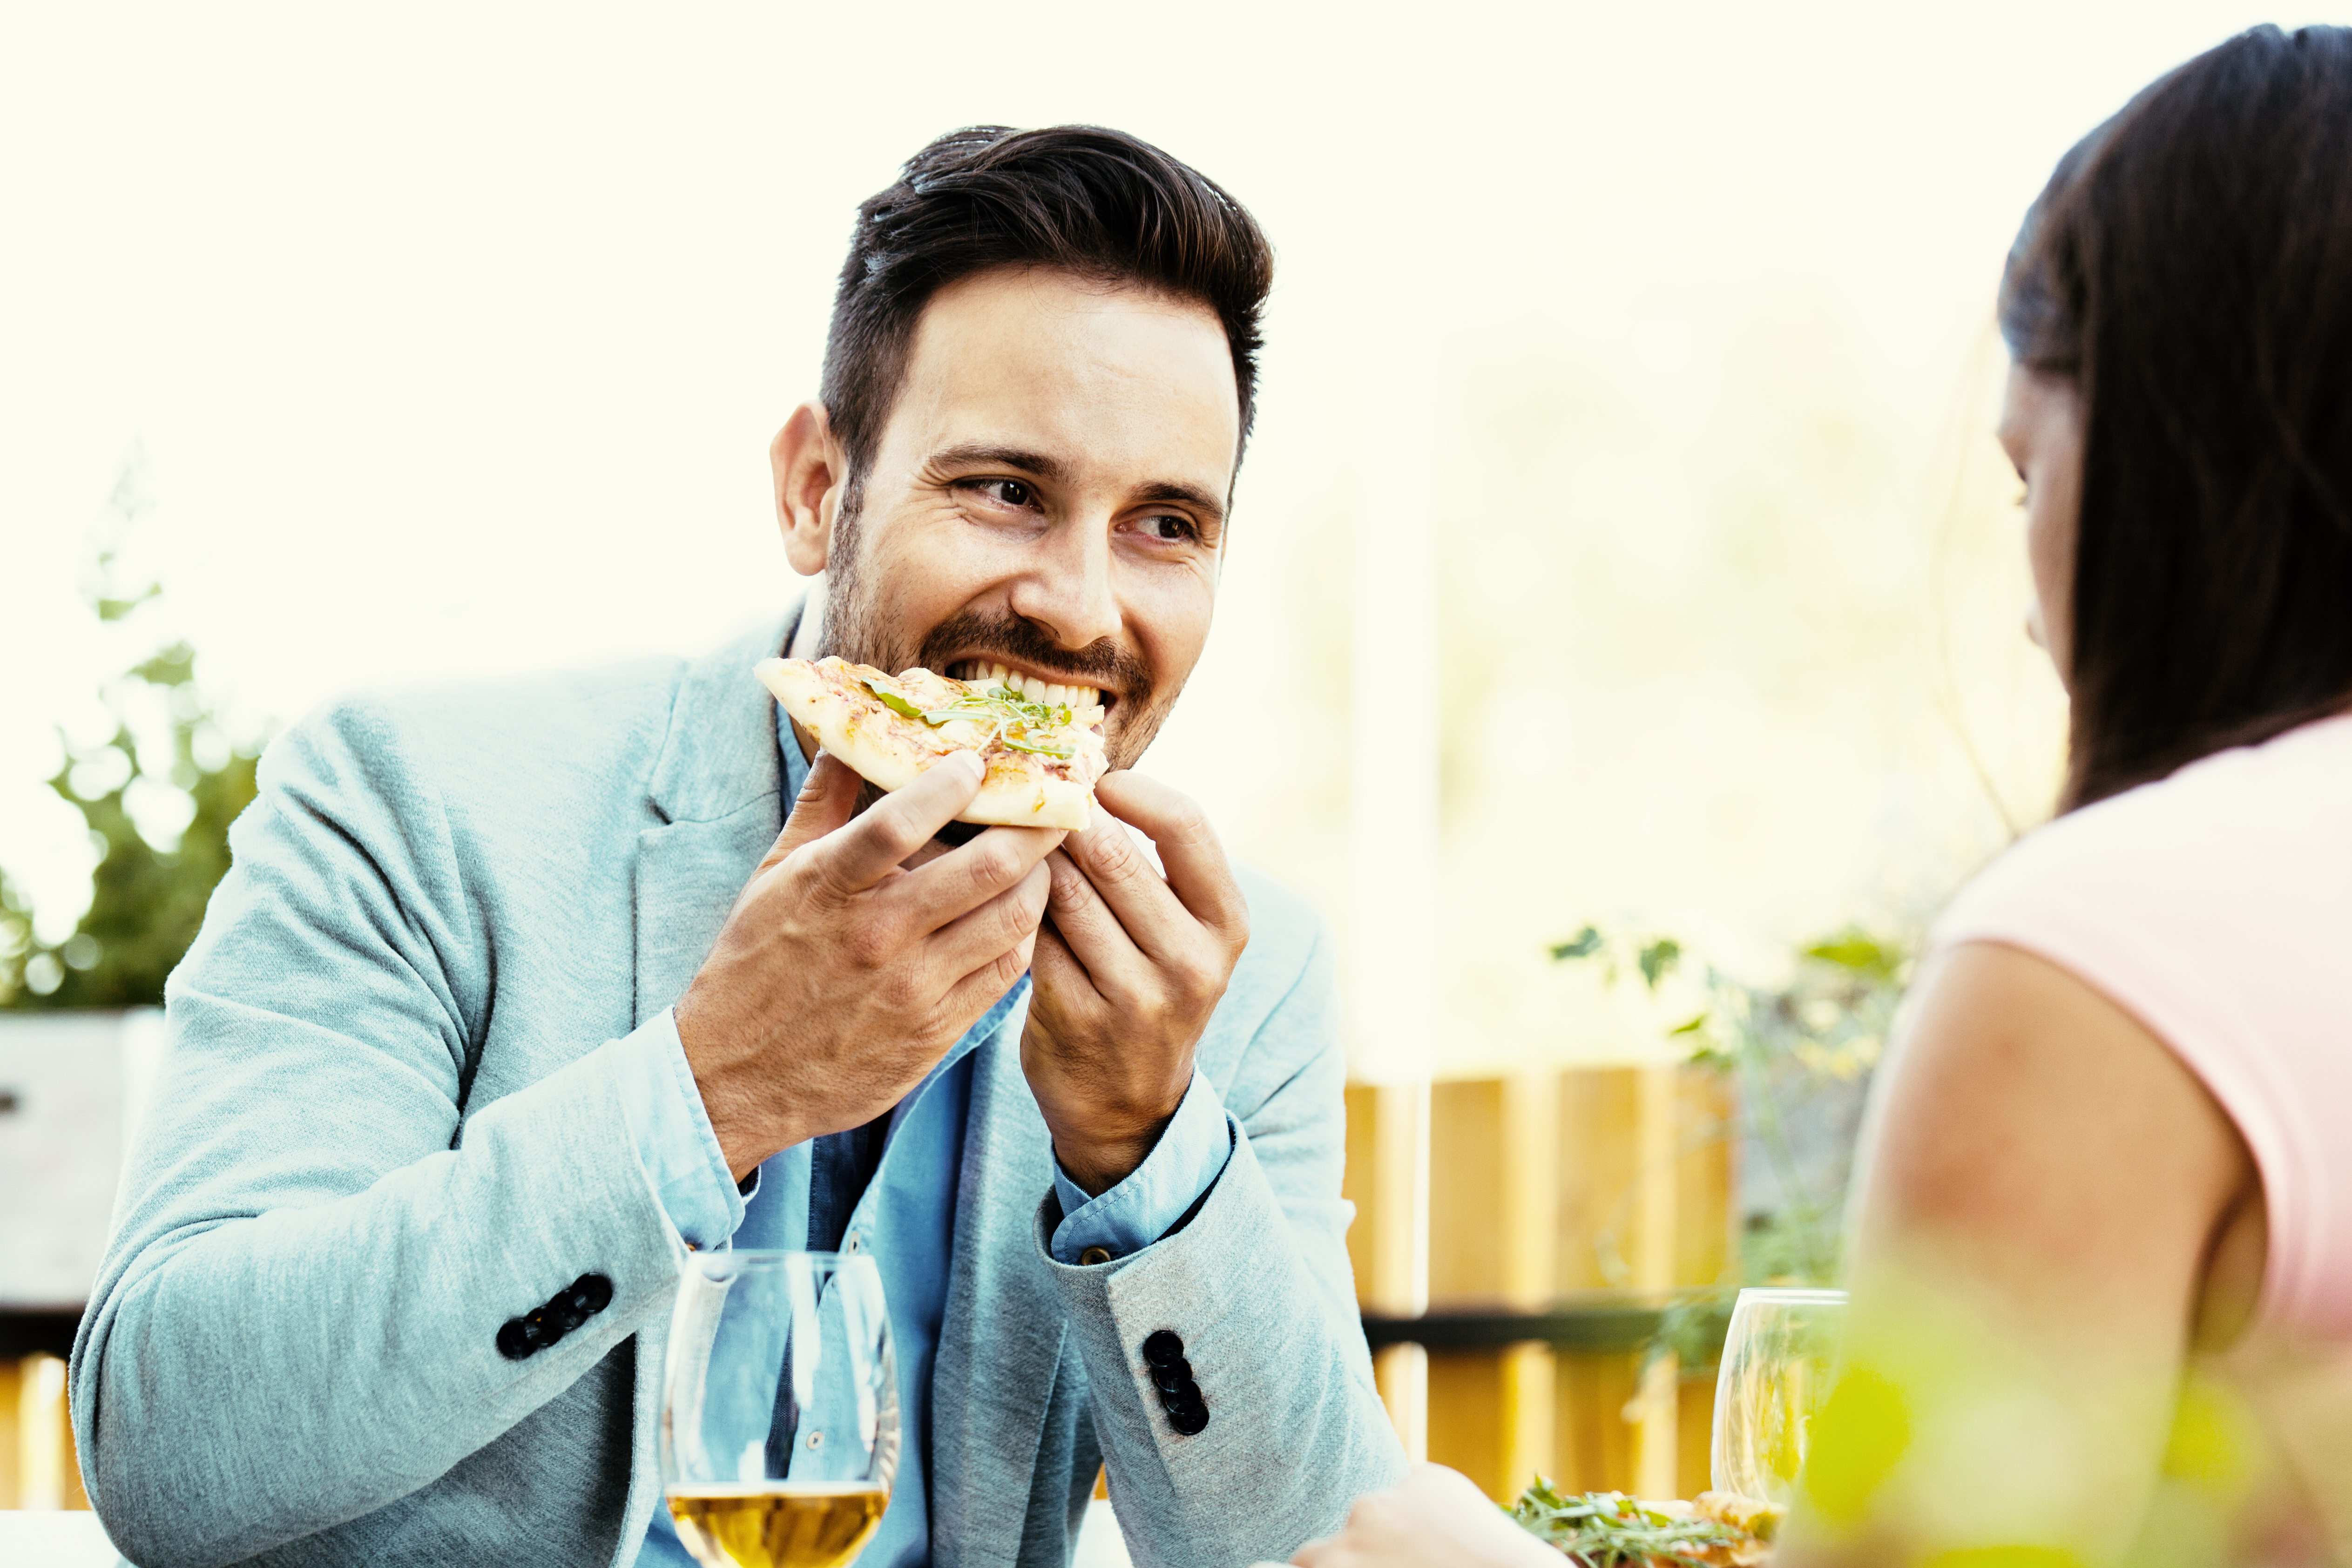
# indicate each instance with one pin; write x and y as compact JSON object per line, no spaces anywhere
{"x":2216,"y":908}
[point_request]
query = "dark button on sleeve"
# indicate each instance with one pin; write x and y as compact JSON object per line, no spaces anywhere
{"x":1171,"y":1377}
{"x":542,"y":1326}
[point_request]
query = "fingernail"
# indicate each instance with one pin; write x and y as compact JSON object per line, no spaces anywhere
{"x":974,"y":769}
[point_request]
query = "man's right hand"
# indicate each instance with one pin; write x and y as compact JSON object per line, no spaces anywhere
{"x":842,"y":975}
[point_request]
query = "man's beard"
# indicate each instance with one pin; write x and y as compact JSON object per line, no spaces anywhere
{"x":855,"y":630}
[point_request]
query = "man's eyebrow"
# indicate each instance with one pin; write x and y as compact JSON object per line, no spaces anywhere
{"x":980,"y":455}
{"x":1191,"y":495}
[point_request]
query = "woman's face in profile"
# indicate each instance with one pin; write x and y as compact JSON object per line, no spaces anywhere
{"x":2041,"y":430}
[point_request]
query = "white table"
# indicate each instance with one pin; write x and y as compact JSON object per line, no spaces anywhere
{"x":73,"y":1540}
{"x":1101,"y":1545}
{"x":52,"y":1539}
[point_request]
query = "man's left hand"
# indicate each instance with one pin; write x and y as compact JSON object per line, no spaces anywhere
{"x":1127,"y":968}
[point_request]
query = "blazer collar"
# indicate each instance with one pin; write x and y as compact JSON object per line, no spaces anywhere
{"x":715,"y":795}
{"x":720,"y":753}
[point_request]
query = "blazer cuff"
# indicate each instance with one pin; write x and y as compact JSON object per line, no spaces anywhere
{"x":1266,"y":1369}
{"x":1183,"y":1166}
{"x":671,"y":1131}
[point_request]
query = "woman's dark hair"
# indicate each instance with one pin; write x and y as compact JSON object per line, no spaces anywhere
{"x":2190,"y":267}
{"x":1079,"y":198}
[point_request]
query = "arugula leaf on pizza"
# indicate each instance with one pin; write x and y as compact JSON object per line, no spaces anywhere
{"x":1042,"y":758}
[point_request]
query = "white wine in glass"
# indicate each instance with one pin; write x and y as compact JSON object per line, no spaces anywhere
{"x":780,"y":1436}
{"x":1779,"y":1359}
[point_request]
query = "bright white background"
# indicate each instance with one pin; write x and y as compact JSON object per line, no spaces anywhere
{"x":448,"y":338}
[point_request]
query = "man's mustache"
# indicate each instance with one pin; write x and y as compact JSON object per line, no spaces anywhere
{"x":1101,"y":663}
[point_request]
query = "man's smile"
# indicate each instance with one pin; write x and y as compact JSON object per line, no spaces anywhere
{"x":1031,"y":685}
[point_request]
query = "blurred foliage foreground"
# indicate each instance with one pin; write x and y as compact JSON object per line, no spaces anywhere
{"x":167,"y":759}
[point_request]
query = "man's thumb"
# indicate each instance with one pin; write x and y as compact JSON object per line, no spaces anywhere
{"x":828,"y":799}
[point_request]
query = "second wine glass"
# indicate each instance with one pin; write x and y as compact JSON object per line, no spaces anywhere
{"x":1779,"y":1359}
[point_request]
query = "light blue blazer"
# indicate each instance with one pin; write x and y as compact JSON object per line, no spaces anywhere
{"x":387,"y":1125}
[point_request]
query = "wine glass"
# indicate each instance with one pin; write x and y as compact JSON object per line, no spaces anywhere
{"x":1778,"y":1359}
{"x":779,"y":1410}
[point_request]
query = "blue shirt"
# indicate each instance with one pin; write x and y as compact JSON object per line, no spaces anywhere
{"x":905,"y":1219}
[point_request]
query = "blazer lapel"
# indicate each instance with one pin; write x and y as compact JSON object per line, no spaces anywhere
{"x":715,"y":788}
{"x":715,"y":792}
{"x":687,"y":875}
{"x":1000,"y":1345}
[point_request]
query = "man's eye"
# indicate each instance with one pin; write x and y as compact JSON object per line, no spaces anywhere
{"x":1171,"y":527}
{"x":1006,"y":492}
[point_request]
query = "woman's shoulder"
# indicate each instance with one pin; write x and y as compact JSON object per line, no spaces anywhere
{"x":2260,"y":833}
{"x":2215,"y":907}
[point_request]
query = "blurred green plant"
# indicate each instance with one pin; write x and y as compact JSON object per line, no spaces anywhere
{"x":1802,"y":1052}
{"x":147,"y":897}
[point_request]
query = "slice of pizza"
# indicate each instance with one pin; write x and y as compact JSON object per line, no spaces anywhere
{"x":1042,"y":758}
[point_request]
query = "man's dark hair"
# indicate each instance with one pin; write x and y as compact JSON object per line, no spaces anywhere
{"x":2190,"y":267}
{"x":1097,"y":202}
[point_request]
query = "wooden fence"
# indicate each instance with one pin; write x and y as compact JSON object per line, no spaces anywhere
{"x":1566,"y":1211}
{"x":36,"y":1455}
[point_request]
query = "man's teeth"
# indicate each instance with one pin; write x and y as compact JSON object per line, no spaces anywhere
{"x":972,"y":672}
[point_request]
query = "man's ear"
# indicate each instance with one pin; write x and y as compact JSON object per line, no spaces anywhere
{"x":810,"y":470}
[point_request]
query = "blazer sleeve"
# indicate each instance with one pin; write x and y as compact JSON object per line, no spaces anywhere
{"x":1258,"y":1291}
{"x":303,"y":1313}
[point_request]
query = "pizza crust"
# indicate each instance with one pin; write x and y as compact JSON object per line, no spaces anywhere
{"x":837,"y":703}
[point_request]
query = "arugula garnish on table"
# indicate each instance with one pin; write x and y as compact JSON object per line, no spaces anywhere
{"x":1610,"y":1529}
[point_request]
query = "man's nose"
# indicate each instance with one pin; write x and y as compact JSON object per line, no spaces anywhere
{"x":1068,"y":589}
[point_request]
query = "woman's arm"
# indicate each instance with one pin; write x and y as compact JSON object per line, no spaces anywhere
{"x":2043,"y":1188}
{"x":2051,"y":1207}
{"x":1434,"y":1516}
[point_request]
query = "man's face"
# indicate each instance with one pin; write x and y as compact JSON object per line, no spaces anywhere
{"x":1047,"y":496}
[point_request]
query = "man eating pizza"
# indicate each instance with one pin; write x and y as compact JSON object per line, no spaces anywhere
{"x":516,"y":993}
